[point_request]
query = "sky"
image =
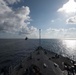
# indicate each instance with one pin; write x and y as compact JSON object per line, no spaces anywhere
{"x":21,"y":18}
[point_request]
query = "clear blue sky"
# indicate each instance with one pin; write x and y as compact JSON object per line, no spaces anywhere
{"x":21,"y":18}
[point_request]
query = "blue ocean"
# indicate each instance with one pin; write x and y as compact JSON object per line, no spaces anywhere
{"x":13,"y":51}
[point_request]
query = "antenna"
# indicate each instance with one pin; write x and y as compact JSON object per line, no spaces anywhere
{"x":39,"y":37}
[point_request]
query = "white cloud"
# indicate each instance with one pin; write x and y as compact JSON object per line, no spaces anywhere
{"x":60,"y":33}
{"x":69,"y":7}
{"x":3,"y":7}
{"x":15,"y":21}
{"x":12,"y":1}
{"x":71,"y":20}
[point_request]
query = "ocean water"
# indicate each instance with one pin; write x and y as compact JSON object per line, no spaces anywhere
{"x":12,"y":51}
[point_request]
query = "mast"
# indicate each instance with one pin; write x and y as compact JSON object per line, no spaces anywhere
{"x":39,"y":37}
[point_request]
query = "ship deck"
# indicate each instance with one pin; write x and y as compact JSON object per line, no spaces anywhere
{"x":42,"y":62}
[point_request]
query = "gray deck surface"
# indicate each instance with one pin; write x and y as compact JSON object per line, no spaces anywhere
{"x":45,"y":63}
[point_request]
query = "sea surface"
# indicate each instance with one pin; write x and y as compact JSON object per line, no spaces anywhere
{"x":13,"y":51}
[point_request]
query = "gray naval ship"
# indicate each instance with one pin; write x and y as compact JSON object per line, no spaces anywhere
{"x":43,"y":62}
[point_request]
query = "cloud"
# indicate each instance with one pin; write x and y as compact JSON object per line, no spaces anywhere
{"x":4,"y":8}
{"x":69,"y":7}
{"x":60,"y":33}
{"x":12,"y":1}
{"x":15,"y":21}
{"x":71,"y":20}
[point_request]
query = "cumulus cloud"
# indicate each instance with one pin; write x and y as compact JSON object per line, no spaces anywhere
{"x":71,"y":20}
{"x":60,"y":33}
{"x":4,"y":7}
{"x":69,"y":7}
{"x":15,"y":21}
